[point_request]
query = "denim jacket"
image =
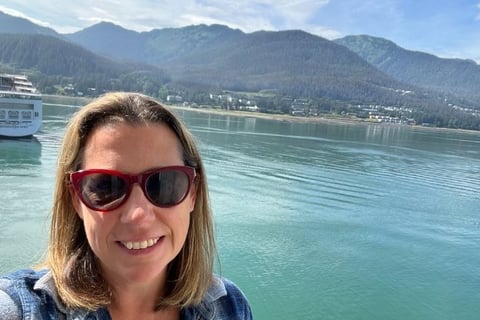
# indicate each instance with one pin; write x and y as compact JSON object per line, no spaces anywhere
{"x":28,"y":294}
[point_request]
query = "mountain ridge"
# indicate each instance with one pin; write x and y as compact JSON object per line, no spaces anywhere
{"x":193,"y":61}
{"x":452,"y":76}
{"x":292,"y":61}
{"x":104,"y":38}
{"x":163,"y":47}
{"x":12,"y":24}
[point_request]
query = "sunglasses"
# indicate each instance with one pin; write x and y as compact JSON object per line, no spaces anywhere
{"x":105,"y":190}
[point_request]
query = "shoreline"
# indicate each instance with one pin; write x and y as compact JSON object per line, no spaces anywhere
{"x":290,"y":118}
{"x":280,"y":117}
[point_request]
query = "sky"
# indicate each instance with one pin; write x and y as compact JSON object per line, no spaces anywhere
{"x":445,"y":28}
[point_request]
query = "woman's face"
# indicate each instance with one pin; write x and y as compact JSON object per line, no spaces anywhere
{"x":160,"y":232}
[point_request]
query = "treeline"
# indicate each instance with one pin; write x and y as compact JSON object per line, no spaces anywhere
{"x":454,"y":77}
{"x":331,"y":77}
{"x":53,"y":64}
{"x":297,"y":64}
{"x":452,"y":120}
{"x":294,"y":62}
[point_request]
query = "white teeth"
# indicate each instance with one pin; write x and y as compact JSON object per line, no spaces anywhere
{"x":140,"y":245}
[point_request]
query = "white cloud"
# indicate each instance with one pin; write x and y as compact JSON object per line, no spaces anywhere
{"x":324,"y":32}
{"x":66,"y":16}
{"x":245,"y":15}
{"x":15,"y":13}
{"x":404,"y":22}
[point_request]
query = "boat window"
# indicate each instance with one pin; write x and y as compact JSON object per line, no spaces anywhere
{"x":26,"y":115}
{"x":12,"y":114}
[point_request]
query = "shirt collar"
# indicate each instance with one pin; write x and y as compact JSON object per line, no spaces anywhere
{"x":206,"y":308}
{"x":47,"y":285}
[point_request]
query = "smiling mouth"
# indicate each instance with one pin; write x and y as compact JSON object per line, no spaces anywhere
{"x":140,"y":244}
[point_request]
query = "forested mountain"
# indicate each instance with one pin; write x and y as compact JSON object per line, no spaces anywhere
{"x":111,"y":41}
{"x":452,"y":76}
{"x":154,"y":47}
{"x":197,"y":60}
{"x":291,"y":62}
{"x":10,"y":24}
{"x":53,"y":61}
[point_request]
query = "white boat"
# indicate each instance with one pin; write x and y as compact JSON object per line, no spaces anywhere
{"x":20,"y":106}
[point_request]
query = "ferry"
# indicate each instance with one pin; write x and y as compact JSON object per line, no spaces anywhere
{"x":20,"y":107}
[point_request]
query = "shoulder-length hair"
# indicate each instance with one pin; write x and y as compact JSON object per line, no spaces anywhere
{"x":74,"y":266}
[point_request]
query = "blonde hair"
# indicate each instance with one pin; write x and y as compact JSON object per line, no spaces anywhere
{"x":74,"y":266}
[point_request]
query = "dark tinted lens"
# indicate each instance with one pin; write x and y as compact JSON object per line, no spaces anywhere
{"x":167,"y":188}
{"x":103,"y":191}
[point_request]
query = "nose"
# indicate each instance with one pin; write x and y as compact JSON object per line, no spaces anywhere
{"x":137,"y":208}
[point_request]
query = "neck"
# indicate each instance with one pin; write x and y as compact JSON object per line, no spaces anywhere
{"x":133,"y":303}
{"x":170,"y":313}
{"x":137,"y":300}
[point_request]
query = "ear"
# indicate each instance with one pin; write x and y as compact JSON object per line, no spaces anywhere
{"x":75,"y":201}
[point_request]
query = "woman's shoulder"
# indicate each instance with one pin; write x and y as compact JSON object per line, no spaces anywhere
{"x":20,"y":289}
{"x":231,"y":289}
{"x":24,"y":279}
{"x":23,"y":275}
{"x":228,"y":300}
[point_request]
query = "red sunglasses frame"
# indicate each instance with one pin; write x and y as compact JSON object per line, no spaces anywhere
{"x":76,"y":177}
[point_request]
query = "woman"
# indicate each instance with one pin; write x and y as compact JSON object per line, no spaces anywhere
{"x":131,"y":234}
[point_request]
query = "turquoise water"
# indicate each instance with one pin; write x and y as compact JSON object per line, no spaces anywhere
{"x":313,"y":221}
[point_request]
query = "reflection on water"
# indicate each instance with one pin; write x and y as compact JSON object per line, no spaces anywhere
{"x":345,"y":221}
{"x":313,"y":220}
{"x":19,"y":152}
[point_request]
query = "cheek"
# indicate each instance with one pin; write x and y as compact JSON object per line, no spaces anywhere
{"x":76,"y":202}
{"x":97,"y":230}
{"x":182,"y":228}
{"x":179,"y":222}
{"x":192,"y":198}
